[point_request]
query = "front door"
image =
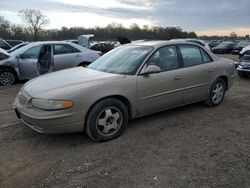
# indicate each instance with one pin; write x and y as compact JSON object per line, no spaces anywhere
{"x":27,"y":63}
{"x":160,"y":91}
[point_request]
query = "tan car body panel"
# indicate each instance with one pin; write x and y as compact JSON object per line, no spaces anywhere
{"x":146,"y":94}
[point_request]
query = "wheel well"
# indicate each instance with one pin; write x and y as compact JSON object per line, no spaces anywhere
{"x":226,"y":80}
{"x":123,"y":99}
{"x":84,"y":63}
{"x":10,"y":68}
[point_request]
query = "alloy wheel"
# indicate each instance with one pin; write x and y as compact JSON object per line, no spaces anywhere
{"x":109,"y":121}
{"x":7,"y":78}
{"x":217,"y":93}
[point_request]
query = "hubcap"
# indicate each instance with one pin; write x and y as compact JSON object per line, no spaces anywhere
{"x":217,"y":93}
{"x":7,"y":78}
{"x":109,"y":121}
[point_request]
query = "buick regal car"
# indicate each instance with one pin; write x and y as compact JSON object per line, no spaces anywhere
{"x":38,"y":58}
{"x":130,"y":81}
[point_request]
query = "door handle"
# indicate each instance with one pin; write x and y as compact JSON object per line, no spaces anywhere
{"x":78,"y":56}
{"x":210,"y":71}
{"x":178,"y":78}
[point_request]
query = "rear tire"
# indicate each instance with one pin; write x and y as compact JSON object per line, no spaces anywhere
{"x":216,"y":93}
{"x":7,"y":77}
{"x":107,"y":120}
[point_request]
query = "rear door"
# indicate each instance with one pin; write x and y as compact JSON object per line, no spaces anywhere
{"x":27,"y":63}
{"x":198,"y":72}
{"x":65,"y":56}
{"x":160,"y":91}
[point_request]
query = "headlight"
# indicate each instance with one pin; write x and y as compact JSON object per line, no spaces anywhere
{"x":46,"y":104}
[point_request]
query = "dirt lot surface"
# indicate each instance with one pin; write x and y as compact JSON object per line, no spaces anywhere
{"x":192,"y":146}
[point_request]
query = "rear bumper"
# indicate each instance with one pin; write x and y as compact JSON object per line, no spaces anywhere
{"x":236,"y":52}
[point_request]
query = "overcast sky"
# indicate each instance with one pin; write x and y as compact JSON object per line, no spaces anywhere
{"x":204,"y":17}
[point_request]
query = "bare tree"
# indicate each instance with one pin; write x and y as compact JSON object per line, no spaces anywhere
{"x":34,"y":20}
{"x":4,"y":27}
{"x":233,"y":35}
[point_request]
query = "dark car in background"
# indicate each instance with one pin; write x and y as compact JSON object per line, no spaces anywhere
{"x":17,"y":47}
{"x":14,"y":43}
{"x":8,"y":44}
{"x":102,"y":46}
{"x":224,"y":47}
{"x":4,"y":45}
{"x":214,"y":43}
{"x":240,"y":46}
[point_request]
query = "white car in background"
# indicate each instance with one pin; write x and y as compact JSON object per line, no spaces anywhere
{"x":242,"y":52}
{"x":38,"y":58}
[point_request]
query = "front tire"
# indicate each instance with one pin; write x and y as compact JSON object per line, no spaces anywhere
{"x":216,"y":93}
{"x":7,"y":77}
{"x":107,"y":120}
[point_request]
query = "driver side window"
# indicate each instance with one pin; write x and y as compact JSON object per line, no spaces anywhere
{"x":32,"y":53}
{"x":166,"y":58}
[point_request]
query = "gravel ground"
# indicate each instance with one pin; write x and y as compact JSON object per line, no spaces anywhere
{"x":191,"y":146}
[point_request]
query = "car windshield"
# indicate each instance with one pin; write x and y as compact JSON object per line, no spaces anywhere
{"x":22,"y":49}
{"x":246,"y":56}
{"x":122,"y":60}
{"x":242,"y":44}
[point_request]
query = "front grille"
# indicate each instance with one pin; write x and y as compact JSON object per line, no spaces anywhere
{"x":22,"y":99}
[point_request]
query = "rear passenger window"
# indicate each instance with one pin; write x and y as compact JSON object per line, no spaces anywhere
{"x":205,"y":56}
{"x":166,"y":58}
{"x":191,"y":55}
{"x":64,"y":49}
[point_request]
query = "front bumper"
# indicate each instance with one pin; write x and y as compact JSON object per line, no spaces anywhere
{"x":51,"y":122}
{"x":243,"y":70}
{"x":236,"y":51}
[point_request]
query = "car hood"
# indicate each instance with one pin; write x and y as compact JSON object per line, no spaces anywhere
{"x":67,"y":80}
{"x":4,"y":52}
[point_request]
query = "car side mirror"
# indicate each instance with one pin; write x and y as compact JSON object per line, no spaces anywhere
{"x":151,"y":69}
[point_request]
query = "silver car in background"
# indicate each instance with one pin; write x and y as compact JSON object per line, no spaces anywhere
{"x":38,"y":58}
{"x":128,"y":82}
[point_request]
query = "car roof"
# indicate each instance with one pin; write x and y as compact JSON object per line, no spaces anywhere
{"x":50,"y":42}
{"x":159,"y":43}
